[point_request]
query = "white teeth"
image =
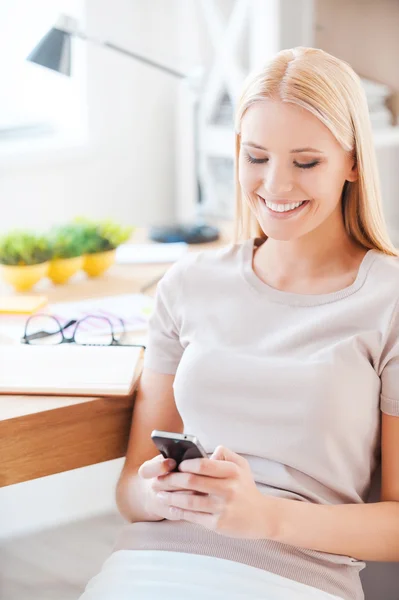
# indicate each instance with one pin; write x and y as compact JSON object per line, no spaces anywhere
{"x":282,"y":207}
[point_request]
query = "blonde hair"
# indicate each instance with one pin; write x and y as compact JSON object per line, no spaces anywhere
{"x":331,"y":90}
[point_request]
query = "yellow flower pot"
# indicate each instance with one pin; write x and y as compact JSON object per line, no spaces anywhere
{"x":96,"y":264}
{"x":61,"y":269}
{"x":24,"y":277}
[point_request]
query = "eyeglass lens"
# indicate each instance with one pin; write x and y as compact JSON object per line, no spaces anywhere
{"x":93,"y":329}
{"x":43,"y":329}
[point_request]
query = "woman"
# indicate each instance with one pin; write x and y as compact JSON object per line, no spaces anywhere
{"x":280,"y":353}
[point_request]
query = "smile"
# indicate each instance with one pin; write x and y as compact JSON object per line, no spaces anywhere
{"x":284,"y":209}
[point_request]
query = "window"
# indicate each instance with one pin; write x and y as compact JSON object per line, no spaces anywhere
{"x":37,"y":103}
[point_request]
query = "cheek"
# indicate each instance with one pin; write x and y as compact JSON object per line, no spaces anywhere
{"x":247,"y":176}
{"x":313,"y":184}
{"x":316,"y":183}
{"x":325,"y":186}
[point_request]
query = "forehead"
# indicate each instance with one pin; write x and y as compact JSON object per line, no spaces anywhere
{"x":275,"y":124}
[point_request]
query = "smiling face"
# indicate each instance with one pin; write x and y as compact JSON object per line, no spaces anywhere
{"x":292,"y":170}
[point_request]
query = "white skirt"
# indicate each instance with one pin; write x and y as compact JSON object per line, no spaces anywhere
{"x":165,"y":575}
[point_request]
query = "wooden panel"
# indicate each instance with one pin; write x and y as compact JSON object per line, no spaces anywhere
{"x":12,"y":407}
{"x":62,"y":439}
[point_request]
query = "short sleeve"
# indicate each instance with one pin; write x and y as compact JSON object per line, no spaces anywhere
{"x":389,"y":375}
{"x":163,"y":348}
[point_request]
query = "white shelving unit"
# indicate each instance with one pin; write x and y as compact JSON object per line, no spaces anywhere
{"x":386,"y":137}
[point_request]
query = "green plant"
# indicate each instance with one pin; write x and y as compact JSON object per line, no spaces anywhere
{"x":101,"y":236}
{"x":21,"y":247}
{"x":67,"y":241}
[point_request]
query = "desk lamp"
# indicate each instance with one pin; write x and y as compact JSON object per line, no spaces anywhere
{"x":54,"y":52}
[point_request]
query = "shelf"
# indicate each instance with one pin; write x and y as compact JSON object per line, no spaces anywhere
{"x":386,"y":137}
{"x":218,"y":141}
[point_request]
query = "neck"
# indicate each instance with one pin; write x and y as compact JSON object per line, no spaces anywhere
{"x":309,"y":257}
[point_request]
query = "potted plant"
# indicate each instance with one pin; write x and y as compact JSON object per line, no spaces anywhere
{"x":24,"y":257}
{"x":67,"y":244}
{"x":101,"y":240}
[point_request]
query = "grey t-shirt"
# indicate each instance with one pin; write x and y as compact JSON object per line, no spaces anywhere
{"x":295,"y":383}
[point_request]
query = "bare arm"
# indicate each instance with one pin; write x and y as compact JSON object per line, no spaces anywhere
{"x":154,"y":408}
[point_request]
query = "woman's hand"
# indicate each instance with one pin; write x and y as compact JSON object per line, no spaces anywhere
{"x":225,"y":497}
{"x":153,"y":471}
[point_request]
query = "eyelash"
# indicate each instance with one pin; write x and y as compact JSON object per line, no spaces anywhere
{"x":257,"y":161}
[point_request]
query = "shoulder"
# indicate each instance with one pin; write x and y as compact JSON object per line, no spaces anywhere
{"x":206,"y":264}
{"x":383,"y":280}
{"x":218,"y":257}
{"x":385,"y":270}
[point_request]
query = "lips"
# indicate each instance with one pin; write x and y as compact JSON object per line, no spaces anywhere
{"x":283,"y":202}
{"x":288,"y":213}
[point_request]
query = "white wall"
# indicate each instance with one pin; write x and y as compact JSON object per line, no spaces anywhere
{"x":389,"y":175}
{"x":128,"y":170}
{"x":57,"y":499}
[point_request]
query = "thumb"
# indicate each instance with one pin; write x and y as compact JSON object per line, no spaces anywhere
{"x":223,"y":453}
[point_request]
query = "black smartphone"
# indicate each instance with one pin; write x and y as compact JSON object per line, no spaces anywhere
{"x":179,"y":446}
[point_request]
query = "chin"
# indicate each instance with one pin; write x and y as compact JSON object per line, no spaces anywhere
{"x":282,"y":234}
{"x":281,"y":237}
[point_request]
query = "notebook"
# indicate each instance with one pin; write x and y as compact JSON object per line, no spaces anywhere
{"x":70,"y":370}
{"x":21,"y":304}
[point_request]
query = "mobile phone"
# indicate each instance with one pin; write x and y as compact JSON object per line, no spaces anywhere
{"x":179,"y":446}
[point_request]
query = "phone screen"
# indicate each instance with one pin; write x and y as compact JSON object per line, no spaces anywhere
{"x":178,"y":449}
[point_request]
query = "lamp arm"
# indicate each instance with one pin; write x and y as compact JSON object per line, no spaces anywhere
{"x":69,"y":25}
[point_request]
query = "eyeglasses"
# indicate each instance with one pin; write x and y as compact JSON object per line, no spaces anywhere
{"x":92,"y":330}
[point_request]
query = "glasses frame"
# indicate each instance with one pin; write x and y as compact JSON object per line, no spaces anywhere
{"x":27,"y":339}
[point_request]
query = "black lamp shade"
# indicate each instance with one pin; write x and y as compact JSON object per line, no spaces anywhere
{"x":54,"y":51}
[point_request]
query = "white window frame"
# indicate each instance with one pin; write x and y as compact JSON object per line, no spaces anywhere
{"x":65,"y":134}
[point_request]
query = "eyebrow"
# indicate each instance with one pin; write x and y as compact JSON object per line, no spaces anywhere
{"x":295,"y":151}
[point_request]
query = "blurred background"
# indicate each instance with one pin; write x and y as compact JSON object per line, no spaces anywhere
{"x":117,"y":137}
{"x":125,"y":140}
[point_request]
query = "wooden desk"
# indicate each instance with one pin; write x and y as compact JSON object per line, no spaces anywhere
{"x":45,"y":435}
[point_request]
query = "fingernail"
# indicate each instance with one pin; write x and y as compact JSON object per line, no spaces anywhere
{"x":170,"y":463}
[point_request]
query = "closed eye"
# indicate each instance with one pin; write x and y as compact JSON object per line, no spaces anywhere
{"x":259,"y":161}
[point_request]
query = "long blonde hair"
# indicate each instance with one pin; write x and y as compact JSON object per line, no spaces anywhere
{"x":331,"y":90}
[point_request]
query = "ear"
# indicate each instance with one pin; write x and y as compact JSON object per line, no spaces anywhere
{"x":353,"y":174}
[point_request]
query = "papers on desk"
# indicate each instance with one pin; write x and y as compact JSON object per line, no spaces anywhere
{"x":129,"y":254}
{"x":15,"y":304}
{"x":134,"y":309}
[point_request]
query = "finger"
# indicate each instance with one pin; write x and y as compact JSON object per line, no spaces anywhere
{"x":204,"y":519}
{"x":196,"y":483}
{"x":223,"y":453}
{"x":155,"y":467}
{"x":162,"y":484}
{"x":209,"y":467}
{"x":167,"y":512}
{"x":207,"y":520}
{"x":205,"y":504}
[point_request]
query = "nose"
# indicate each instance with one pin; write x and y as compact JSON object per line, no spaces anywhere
{"x":277,"y":180}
